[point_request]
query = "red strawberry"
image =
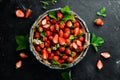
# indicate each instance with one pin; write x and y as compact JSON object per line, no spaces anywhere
{"x":74,"y":45}
{"x":37,"y":48}
{"x":53,"y":21}
{"x":20,"y":13}
{"x":28,"y":13}
{"x":64,"y":57}
{"x":50,"y":37}
{"x":73,"y":54}
{"x":55,"y":38}
{"x":37,"y":35}
{"x":66,"y":35}
{"x":23,"y":55}
{"x":99,"y":64}
{"x":52,"y":28}
{"x":56,"y":58}
{"x":76,"y":31}
{"x":105,"y":55}
{"x":61,"y":41}
{"x":62,"y":25}
{"x":79,"y":43}
{"x":59,"y":15}
{"x":57,"y":53}
{"x":46,"y":26}
{"x":68,"y":51}
{"x":47,"y":18}
{"x":18,"y":64}
{"x":57,"y":27}
{"x":44,"y":54}
{"x":67,"y":41}
{"x":51,"y":55}
{"x":44,"y":21}
{"x":70,"y":59}
{"x":47,"y":43}
{"x":62,"y":49}
{"x":66,"y":30}
{"x":77,"y":24}
{"x":69,"y":24}
{"x":42,"y":45}
{"x":45,"y":39}
{"x":61,"y":33}
{"x":99,"y":22}
{"x":61,"y":61}
{"x":81,"y":39}
{"x":48,"y":33}
{"x":80,"y":48}
{"x":81,"y":31}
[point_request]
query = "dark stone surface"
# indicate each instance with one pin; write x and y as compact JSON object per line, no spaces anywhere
{"x":10,"y":26}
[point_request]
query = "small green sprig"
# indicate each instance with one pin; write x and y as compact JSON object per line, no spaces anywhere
{"x":102,"y":12}
{"x":66,"y":75}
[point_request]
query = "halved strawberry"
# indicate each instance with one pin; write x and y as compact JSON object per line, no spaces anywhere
{"x":55,"y":38}
{"x":59,"y":15}
{"x":74,"y":45}
{"x":99,"y":22}
{"x":52,"y":28}
{"x":79,"y":43}
{"x":62,"y":41}
{"x":37,"y":35}
{"x":69,"y":24}
{"x":99,"y":64}
{"x":44,"y":54}
{"x":20,"y":13}
{"x":62,"y":49}
{"x":61,"y":33}
{"x":44,"y":21}
{"x":76,"y":31}
{"x":105,"y":55}
{"x":46,"y":26}
{"x":23,"y":55}
{"x":18,"y":64}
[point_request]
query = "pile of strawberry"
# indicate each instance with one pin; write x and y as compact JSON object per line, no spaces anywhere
{"x":57,"y":41}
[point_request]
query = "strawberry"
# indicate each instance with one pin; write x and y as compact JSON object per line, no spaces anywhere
{"x":46,"y":26}
{"x":81,"y":31}
{"x":23,"y":55}
{"x":61,"y":33}
{"x":51,"y":55}
{"x":53,"y":21}
{"x":37,"y":48}
{"x":62,"y":49}
{"x":69,"y":24}
{"x":79,"y":43}
{"x":56,"y":58}
{"x":67,"y":41}
{"x":20,"y":13}
{"x":64,"y":57}
{"x":47,"y":17}
{"x":99,"y":22}
{"x":81,"y":39}
{"x":61,"y":61}
{"x":61,"y":41}
{"x":77,"y":24}
{"x":66,"y":30}
{"x":68,"y":51}
{"x":62,"y":25}
{"x":52,"y":28}
{"x":45,"y":39}
{"x":44,"y":54}
{"x":80,"y":48}
{"x":18,"y":64}
{"x":48,"y":33}
{"x":57,"y":53}
{"x":47,"y":43}
{"x":49,"y":50}
{"x":99,"y":64}
{"x":40,"y":29}
{"x":59,"y":15}
{"x":28,"y":13}
{"x":57,"y":27}
{"x":76,"y":31}
{"x":105,"y":55}
{"x":70,"y":59}
{"x":44,"y":21}
{"x":37,"y":35}
{"x":50,"y":37}
{"x":73,"y":54}
{"x":55,"y":38}
{"x":66,"y":35}
{"x":42,"y":45}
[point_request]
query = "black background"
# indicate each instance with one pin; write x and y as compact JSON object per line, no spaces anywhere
{"x":10,"y":26}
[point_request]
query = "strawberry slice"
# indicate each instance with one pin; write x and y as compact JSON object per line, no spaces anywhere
{"x":18,"y":64}
{"x":44,"y":21}
{"x":20,"y":13}
{"x":79,"y":43}
{"x":61,"y":41}
{"x":105,"y":55}
{"x":69,"y":24}
{"x":23,"y":55}
{"x":99,"y":64}
{"x":76,"y":31}
{"x":61,"y":33}
{"x":74,"y":45}
{"x":44,"y":54}
{"x":55,"y":38}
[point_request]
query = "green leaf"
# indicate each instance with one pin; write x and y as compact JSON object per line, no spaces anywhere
{"x":53,"y":1}
{"x":102,"y":12}
{"x":65,"y":64}
{"x":66,"y":75}
{"x":42,"y":34}
{"x":68,"y":17}
{"x":96,"y":41}
{"x":52,"y":14}
{"x":65,"y":9}
{"x":54,"y":62}
{"x":22,"y":42}
{"x":72,"y":37}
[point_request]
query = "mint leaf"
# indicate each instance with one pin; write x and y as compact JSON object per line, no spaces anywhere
{"x":68,"y":17}
{"x":54,"y":62}
{"x":102,"y":12}
{"x":52,"y":14}
{"x":96,"y":41}
{"x":22,"y":42}
{"x":65,"y":9}
{"x":66,"y":75}
{"x":42,"y":34}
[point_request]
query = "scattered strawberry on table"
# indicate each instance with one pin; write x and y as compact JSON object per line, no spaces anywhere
{"x":62,"y":36}
{"x":99,"y":22}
